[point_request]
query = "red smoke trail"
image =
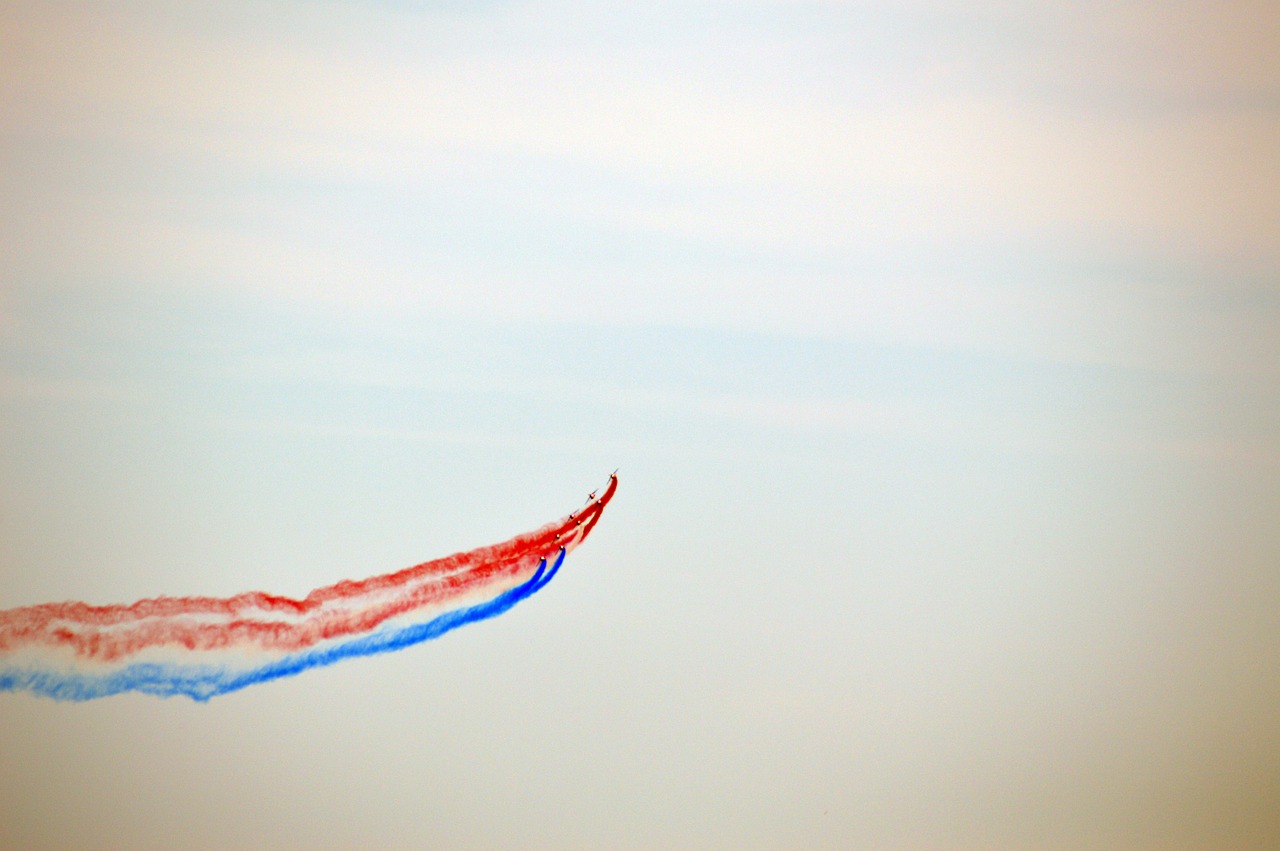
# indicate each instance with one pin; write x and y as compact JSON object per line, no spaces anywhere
{"x":108,"y":634}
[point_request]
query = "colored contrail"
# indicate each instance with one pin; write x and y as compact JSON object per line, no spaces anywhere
{"x":205,"y":646}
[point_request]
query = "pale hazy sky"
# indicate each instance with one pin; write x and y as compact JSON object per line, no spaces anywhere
{"x":937,"y":343}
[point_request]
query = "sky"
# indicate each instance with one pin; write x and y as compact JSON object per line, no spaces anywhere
{"x":935,"y":344}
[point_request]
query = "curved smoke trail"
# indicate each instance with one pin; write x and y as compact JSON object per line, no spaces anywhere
{"x":205,"y":646}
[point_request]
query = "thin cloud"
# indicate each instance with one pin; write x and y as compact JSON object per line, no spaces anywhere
{"x":24,"y":388}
